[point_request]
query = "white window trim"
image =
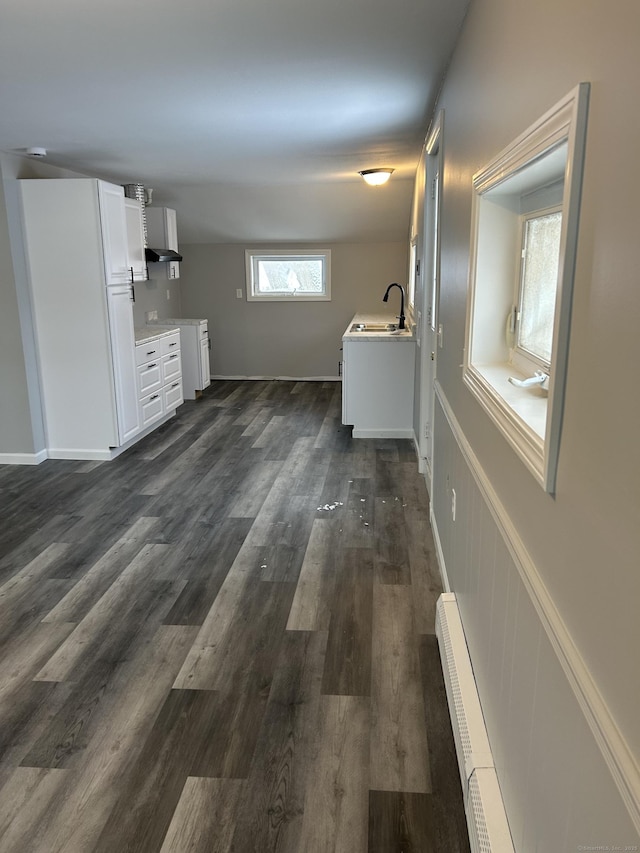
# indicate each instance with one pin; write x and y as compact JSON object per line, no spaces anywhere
{"x":251,"y":255}
{"x":530,"y":418}
{"x":523,"y":360}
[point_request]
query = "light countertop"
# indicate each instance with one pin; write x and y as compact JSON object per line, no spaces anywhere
{"x":180,"y":321}
{"x":384,"y":334}
{"x":151,"y":333}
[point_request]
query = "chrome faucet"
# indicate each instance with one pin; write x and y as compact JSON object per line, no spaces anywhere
{"x":385,"y":298}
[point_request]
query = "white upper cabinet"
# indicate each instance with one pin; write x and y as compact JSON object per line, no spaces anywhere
{"x":114,"y":233}
{"x":136,"y":262}
{"x":162,"y":233}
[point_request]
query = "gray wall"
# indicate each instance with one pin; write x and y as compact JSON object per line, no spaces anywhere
{"x":513,"y":62}
{"x":15,"y":410}
{"x":284,"y":338}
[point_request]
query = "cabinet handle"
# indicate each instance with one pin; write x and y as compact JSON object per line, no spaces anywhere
{"x":154,"y":397}
{"x":175,"y":384}
{"x":151,"y":352}
{"x":133,"y":293}
{"x":131,"y":271}
{"x":149,"y":366}
{"x":174,"y":355}
{"x":174,"y":344}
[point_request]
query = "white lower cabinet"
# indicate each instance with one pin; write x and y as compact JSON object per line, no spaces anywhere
{"x":151,"y":408}
{"x":377,"y":387}
{"x":159,"y":367}
{"x":205,"y":369}
{"x":195,"y":347}
{"x":124,"y":362}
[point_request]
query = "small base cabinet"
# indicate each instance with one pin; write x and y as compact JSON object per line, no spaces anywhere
{"x":377,"y":387}
{"x":195,"y":343}
{"x":159,"y":367}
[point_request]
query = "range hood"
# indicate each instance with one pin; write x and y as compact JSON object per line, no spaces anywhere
{"x":155,"y":256}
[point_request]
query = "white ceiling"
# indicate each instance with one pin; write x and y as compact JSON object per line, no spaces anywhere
{"x":250,"y":117}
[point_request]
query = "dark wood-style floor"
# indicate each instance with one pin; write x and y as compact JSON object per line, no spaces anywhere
{"x":224,"y":641}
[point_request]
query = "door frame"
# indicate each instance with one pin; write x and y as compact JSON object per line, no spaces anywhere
{"x":429,"y":333}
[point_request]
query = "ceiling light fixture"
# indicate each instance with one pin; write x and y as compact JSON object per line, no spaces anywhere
{"x":376,"y":177}
{"x":36,"y":152}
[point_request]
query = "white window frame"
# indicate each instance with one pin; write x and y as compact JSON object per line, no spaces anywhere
{"x":524,"y":360}
{"x":254,"y":256}
{"x":529,"y":417}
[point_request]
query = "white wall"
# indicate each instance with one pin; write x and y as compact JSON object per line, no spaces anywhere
{"x":513,"y":62}
{"x":285,"y":338}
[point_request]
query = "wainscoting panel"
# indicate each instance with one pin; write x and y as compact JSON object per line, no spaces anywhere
{"x":561,"y":769}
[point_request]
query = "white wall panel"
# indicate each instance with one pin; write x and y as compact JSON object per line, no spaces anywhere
{"x":558,"y":791}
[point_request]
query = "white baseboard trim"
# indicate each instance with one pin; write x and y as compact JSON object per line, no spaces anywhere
{"x":99,"y":454}
{"x":615,"y":750}
{"x":23,"y":458}
{"x":282,"y":378}
{"x":382,"y":433}
{"x":423,"y":465}
{"x":416,"y":447}
{"x":84,"y":455}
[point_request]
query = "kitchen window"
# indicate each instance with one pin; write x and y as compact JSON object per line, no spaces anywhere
{"x":523,"y":249}
{"x":296,"y":275}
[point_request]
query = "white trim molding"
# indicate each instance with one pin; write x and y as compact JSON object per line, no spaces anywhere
{"x":549,"y":154}
{"x":23,"y":458}
{"x":382,"y":433}
{"x":282,"y":378}
{"x":622,"y":763}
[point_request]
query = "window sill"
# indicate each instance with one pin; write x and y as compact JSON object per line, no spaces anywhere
{"x":519,"y":413}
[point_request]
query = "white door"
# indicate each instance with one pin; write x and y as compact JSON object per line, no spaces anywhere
{"x":205,"y":370}
{"x":171,"y":224}
{"x":114,"y":233}
{"x":430,"y":321}
{"x":136,"y":261}
{"x":123,"y":358}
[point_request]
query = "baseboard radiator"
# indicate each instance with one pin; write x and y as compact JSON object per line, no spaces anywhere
{"x":484,"y":807}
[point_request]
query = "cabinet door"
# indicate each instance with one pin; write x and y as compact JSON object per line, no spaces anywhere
{"x":162,"y":231}
{"x":171,"y":229}
{"x":136,"y":261}
{"x":123,"y":356}
{"x":171,"y":225}
{"x":346,"y":414}
{"x":114,"y":233}
{"x":205,"y":370}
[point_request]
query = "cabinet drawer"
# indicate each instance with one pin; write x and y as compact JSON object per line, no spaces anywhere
{"x":151,"y":408}
{"x":170,"y":344}
{"x":173,"y":396}
{"x":148,"y":352}
{"x":149,"y":378}
{"x":171,"y":367}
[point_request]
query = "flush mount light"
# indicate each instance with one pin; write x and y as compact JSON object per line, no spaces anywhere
{"x":36,"y":151}
{"x":376,"y":177}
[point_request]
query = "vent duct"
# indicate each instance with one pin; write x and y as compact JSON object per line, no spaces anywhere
{"x":484,"y":807}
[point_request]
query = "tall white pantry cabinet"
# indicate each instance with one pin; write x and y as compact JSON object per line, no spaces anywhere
{"x":78,"y":258}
